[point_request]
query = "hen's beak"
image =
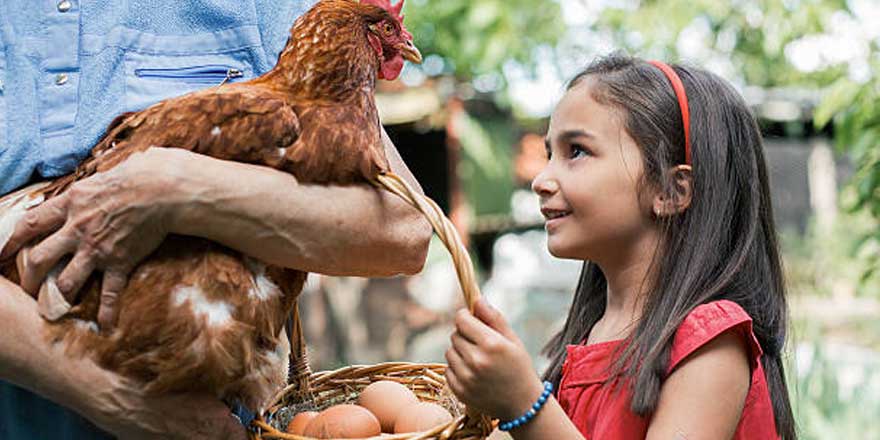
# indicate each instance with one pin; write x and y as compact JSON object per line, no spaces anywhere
{"x":409,"y":52}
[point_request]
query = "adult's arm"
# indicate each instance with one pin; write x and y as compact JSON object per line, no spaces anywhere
{"x":29,"y":360}
{"x":112,"y":220}
{"x":351,"y":230}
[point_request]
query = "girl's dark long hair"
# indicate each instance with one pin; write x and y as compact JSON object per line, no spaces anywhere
{"x":724,"y":246}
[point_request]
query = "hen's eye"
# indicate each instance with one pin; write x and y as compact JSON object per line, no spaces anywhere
{"x":387,"y":28}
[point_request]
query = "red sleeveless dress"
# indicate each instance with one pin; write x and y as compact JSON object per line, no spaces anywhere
{"x":602,"y":412}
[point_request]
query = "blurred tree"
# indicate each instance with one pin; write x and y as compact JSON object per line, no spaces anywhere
{"x":813,"y":44}
{"x":855,"y":111}
{"x":473,"y":41}
{"x":476,"y":37}
{"x":755,"y":35}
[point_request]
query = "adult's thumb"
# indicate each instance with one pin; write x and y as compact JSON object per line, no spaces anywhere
{"x":235,"y":430}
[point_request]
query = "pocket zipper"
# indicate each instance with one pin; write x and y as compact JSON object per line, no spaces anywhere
{"x":207,"y":74}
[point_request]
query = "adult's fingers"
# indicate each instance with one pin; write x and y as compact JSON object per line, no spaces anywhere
{"x":113,"y":283}
{"x":235,"y":430}
{"x":40,"y":259}
{"x":75,"y":274}
{"x":37,"y":222}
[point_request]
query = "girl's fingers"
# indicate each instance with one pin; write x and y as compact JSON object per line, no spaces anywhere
{"x":464,"y":348}
{"x":492,"y":317}
{"x":472,"y":328}
{"x":43,"y":257}
{"x":457,"y":365}
{"x":454,"y":383}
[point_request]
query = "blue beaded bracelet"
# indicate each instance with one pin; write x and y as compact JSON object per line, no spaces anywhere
{"x":530,"y":414}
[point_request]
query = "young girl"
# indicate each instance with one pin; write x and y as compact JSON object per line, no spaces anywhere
{"x":656,"y":179}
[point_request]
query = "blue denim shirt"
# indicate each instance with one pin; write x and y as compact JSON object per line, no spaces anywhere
{"x":68,"y":67}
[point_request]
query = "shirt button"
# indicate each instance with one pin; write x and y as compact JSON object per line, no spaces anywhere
{"x":64,"y":6}
{"x":61,"y":79}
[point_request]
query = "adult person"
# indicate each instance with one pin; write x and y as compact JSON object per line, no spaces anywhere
{"x":67,"y":67}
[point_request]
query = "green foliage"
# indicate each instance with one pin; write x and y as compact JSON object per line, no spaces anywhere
{"x":824,"y":406}
{"x":486,"y":163}
{"x":822,"y":263}
{"x":477,"y":37}
{"x":752,"y":33}
{"x":855,"y":112}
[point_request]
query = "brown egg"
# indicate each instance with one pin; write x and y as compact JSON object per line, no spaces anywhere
{"x":299,"y":422}
{"x":343,"y":421}
{"x":385,"y":399}
{"x":421,"y":417}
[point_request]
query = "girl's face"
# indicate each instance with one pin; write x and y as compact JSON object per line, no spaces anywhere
{"x":589,"y":189}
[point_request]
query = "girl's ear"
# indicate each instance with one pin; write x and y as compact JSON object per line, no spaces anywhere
{"x":679,"y":199}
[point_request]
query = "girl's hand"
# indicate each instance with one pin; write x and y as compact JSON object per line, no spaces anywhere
{"x":109,"y":221}
{"x":489,"y":367}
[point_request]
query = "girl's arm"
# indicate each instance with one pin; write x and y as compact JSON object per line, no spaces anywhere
{"x":491,"y":371}
{"x":704,"y":396}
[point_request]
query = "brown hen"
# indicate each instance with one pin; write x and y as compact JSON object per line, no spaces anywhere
{"x":197,"y":316}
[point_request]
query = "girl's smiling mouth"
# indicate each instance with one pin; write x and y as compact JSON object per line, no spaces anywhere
{"x":553,"y":217}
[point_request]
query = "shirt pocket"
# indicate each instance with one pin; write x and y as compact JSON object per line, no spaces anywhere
{"x":150,"y":78}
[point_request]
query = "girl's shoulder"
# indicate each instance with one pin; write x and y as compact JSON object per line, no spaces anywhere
{"x":709,"y":321}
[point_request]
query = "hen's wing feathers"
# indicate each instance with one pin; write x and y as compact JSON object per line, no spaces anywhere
{"x":245,"y":124}
{"x":339,"y":145}
{"x":239,"y":122}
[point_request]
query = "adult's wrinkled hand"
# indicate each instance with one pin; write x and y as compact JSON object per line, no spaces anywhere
{"x":181,"y":416}
{"x":120,"y":406}
{"x":108,"y":222}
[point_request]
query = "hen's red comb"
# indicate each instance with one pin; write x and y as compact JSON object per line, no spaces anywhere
{"x":394,"y":10}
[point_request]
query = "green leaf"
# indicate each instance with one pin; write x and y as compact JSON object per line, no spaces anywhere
{"x":839,"y":96}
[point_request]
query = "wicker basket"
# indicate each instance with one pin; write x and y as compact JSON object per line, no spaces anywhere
{"x":316,"y":391}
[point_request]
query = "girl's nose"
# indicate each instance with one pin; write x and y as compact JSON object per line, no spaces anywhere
{"x":544,"y":185}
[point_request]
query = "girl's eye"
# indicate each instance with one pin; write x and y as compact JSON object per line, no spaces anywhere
{"x":578,"y":150}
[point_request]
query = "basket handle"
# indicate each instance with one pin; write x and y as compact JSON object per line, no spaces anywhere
{"x":299,"y":367}
{"x":449,"y":236}
{"x":444,"y":229}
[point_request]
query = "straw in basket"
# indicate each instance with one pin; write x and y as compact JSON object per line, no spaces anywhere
{"x":315,"y":391}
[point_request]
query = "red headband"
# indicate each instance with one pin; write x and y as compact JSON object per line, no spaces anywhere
{"x":682,"y":104}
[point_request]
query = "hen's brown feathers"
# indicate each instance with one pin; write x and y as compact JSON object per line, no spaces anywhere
{"x":196,"y":315}
{"x":236,"y":122}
